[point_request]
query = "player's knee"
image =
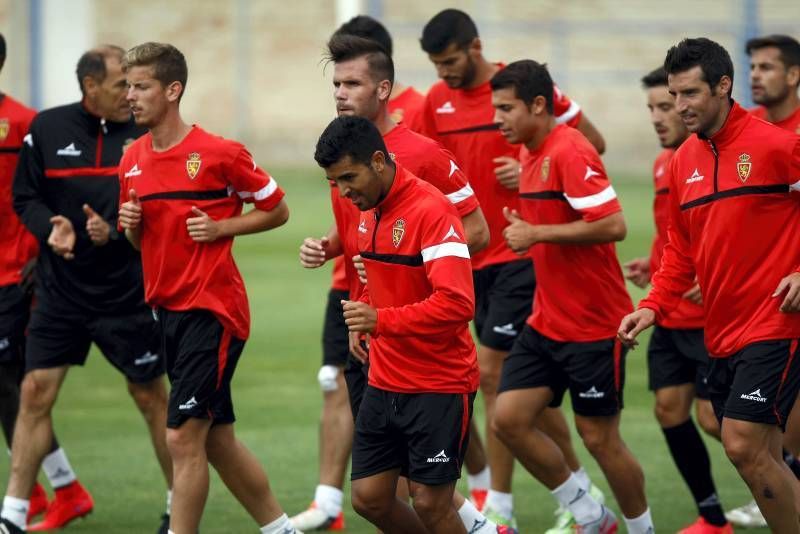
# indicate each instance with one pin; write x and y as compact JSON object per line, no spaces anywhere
{"x":328,"y":378}
{"x":599,"y":440}
{"x":506,"y":425}
{"x":37,"y":394}
{"x":428,"y":508}
{"x":489,"y":381}
{"x":146,"y":396}
{"x":368,"y":506}
{"x":183,"y":444}
{"x":742,"y":453}
{"x":668,"y":413}
{"x":708,"y":422}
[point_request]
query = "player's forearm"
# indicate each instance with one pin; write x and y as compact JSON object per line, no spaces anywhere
{"x":134,"y":236}
{"x":334,"y":249}
{"x":606,"y":230}
{"x":254,"y":221}
{"x":591,"y":133}
{"x":476,"y":230}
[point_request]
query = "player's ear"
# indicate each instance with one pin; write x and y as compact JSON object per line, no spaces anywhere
{"x":174,"y":91}
{"x":793,"y":75}
{"x":539,"y":105}
{"x":378,"y":162}
{"x":384,"y":90}
{"x":724,"y":86}
{"x":475,"y":47}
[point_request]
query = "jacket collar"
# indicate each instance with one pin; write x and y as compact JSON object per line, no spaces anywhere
{"x":399,"y":185}
{"x":735,"y":122}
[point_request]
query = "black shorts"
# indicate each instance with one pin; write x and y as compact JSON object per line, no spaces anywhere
{"x":676,"y":357}
{"x":201,"y":358}
{"x":15,"y":307}
{"x":594,"y":372}
{"x":759,"y":383}
{"x":335,"y":344}
{"x":503,"y":297}
{"x":355,"y":376}
{"x":425,"y":435}
{"x":60,"y":336}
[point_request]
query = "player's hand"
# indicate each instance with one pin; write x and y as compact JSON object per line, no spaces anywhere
{"x":633,"y":323}
{"x":519,"y":235}
{"x":361,"y":269}
{"x":507,"y":172}
{"x":202,"y":228}
{"x":97,"y":227}
{"x":791,"y":286}
{"x":130,"y":213}
{"x":638,"y":271}
{"x":313,"y":252}
{"x":359,"y":316}
{"x":28,"y":276}
{"x":694,"y":295}
{"x":359,"y":349}
{"x":62,"y":237}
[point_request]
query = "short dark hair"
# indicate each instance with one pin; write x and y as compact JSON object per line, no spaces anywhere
{"x":93,"y":63}
{"x":448,"y":27}
{"x":368,"y":28}
{"x":788,"y":46}
{"x":2,"y":49}
{"x":529,"y":80}
{"x":350,"y":136}
{"x":713,"y":60}
{"x":655,"y":78}
{"x":169,"y":64}
{"x":346,"y":47}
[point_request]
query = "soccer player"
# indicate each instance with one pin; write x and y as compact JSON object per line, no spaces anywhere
{"x":735,"y":226}
{"x":89,"y":280}
{"x":181,"y":197}
{"x":458,"y":113}
{"x":417,"y":304}
{"x":774,"y":79}
{"x":677,"y":357}
{"x":363,"y":74}
{"x":568,"y":222}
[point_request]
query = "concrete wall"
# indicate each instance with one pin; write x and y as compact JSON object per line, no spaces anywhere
{"x":255,"y":70}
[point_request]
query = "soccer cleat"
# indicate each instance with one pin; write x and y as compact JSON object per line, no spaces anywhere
{"x":564,"y":518}
{"x":70,"y":502}
{"x":478,"y":497}
{"x":7,"y":527}
{"x":746,"y":516}
{"x":315,"y":519}
{"x":607,"y":524}
{"x":38,"y":502}
{"x":701,"y":526}
{"x":498,"y":518}
{"x":503,"y":529}
{"x":164,"y":527}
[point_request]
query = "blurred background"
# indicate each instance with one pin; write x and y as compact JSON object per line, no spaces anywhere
{"x":255,"y":70}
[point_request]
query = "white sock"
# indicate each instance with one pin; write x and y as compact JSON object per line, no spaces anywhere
{"x":169,"y":501}
{"x":640,"y":525}
{"x":480,"y":480}
{"x":474,"y":521}
{"x":279,"y":526}
{"x":577,"y":500}
{"x":16,"y":510}
{"x":329,"y":500}
{"x":502,"y":503}
{"x":57,"y":468}
{"x":583,"y":478}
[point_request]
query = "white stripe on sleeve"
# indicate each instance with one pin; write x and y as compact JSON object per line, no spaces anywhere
{"x":592,"y":201}
{"x":462,"y":194}
{"x":795,"y":186}
{"x":573,"y":109}
{"x":459,"y":250}
{"x":262,"y":193}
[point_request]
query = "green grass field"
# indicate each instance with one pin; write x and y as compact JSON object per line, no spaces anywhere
{"x":278,"y":400}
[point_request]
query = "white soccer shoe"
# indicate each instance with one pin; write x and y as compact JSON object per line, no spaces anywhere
{"x":565,"y":521}
{"x":747,"y":516}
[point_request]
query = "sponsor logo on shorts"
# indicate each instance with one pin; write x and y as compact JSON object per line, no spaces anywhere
{"x":592,"y":393}
{"x":440,"y":458}
{"x":5,"y":343}
{"x":754,"y":396}
{"x":144,"y":359}
{"x":188,"y":405}
{"x":506,"y":329}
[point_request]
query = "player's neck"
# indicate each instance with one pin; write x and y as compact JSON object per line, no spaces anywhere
{"x":720,"y":121}
{"x":484,"y":70}
{"x":384,"y":122}
{"x":541,"y":134}
{"x":782,"y":110}
{"x":397,"y":90}
{"x":170,"y":132}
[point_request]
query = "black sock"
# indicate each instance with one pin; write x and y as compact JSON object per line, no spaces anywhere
{"x":691,"y":457}
{"x":792,"y":461}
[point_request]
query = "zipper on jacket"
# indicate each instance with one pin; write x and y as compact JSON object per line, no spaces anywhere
{"x":716,"y":163}
{"x":98,"y":157}
{"x":375,"y":230}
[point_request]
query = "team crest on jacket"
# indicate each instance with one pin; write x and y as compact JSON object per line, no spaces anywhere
{"x":193,"y":164}
{"x":5,"y":126}
{"x":545,"y":168}
{"x":398,"y":230}
{"x":743,"y":167}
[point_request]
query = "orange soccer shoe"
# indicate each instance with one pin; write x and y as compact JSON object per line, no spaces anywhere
{"x":701,"y":526}
{"x":38,"y":502}
{"x":70,"y":502}
{"x":315,"y":519}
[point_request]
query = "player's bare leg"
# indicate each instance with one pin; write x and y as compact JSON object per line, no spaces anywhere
{"x":187,"y":447}
{"x":500,"y":459}
{"x":335,"y":435}
{"x":553,"y":423}
{"x":434,"y":506}
{"x":791,"y":438}
{"x":755,"y":451}
{"x":151,"y":399}
{"x":706,"y":418}
{"x":601,"y":437}
{"x":33,"y":433}
{"x":374,"y":499}
{"x":242,"y":473}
